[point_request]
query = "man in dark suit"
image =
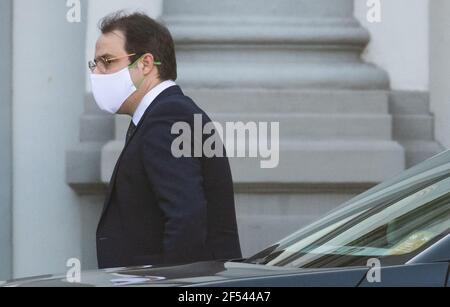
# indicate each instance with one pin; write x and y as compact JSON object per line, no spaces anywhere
{"x":159,"y":209}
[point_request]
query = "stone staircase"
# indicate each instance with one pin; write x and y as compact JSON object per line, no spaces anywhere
{"x":413,"y":125}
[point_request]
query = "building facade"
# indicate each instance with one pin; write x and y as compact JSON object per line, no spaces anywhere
{"x":355,"y":103}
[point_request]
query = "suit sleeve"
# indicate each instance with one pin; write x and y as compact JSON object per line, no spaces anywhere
{"x":178,"y":185}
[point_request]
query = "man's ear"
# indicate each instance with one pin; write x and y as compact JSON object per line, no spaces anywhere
{"x":148,"y":62}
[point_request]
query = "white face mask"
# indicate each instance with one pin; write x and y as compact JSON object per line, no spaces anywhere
{"x":111,"y":91}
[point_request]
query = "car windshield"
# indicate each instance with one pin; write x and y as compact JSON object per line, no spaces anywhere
{"x":392,"y":222}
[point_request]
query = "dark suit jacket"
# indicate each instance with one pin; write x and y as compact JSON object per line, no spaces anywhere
{"x":162,"y":210}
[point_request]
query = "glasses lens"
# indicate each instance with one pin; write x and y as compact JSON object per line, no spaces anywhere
{"x":98,"y":64}
{"x":92,"y":65}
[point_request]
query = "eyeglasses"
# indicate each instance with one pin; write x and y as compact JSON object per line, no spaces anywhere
{"x":102,"y":63}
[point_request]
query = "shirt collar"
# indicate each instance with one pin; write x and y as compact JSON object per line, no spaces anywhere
{"x":149,"y":98}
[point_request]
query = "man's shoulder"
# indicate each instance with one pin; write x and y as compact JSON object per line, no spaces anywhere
{"x":175,"y":106}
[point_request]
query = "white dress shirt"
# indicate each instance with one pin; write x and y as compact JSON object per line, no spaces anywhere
{"x":149,"y":98}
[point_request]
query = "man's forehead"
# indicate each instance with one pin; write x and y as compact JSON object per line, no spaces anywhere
{"x":112,"y":43}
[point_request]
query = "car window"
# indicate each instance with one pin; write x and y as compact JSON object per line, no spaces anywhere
{"x":393,"y":224}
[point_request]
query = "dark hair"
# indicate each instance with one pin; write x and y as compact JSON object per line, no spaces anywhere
{"x":144,"y":35}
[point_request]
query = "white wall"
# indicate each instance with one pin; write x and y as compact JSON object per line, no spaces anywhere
{"x":5,"y":139}
{"x":440,"y":68}
{"x":48,"y":78}
{"x":400,"y":43}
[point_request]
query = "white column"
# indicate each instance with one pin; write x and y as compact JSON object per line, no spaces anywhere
{"x":440,"y":68}
{"x":49,"y":77}
{"x":298,"y":43}
{"x":5,"y":140}
{"x":399,"y":43}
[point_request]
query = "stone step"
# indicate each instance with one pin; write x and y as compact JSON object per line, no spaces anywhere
{"x":413,"y":127}
{"x":333,"y":162}
{"x":405,"y":102}
{"x":83,"y":164}
{"x":122,"y":122}
{"x":418,"y":151}
{"x":288,"y":101}
{"x":318,"y":126}
{"x":96,"y":127}
{"x":310,"y":162}
{"x":304,"y":126}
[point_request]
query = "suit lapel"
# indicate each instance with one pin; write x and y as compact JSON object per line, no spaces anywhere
{"x":174,"y":90}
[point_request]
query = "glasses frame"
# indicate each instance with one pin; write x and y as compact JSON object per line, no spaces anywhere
{"x":93,"y":64}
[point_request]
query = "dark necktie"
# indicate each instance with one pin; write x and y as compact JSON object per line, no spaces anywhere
{"x":130,"y":131}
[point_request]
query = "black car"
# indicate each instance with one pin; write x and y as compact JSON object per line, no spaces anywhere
{"x":396,"y":234}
